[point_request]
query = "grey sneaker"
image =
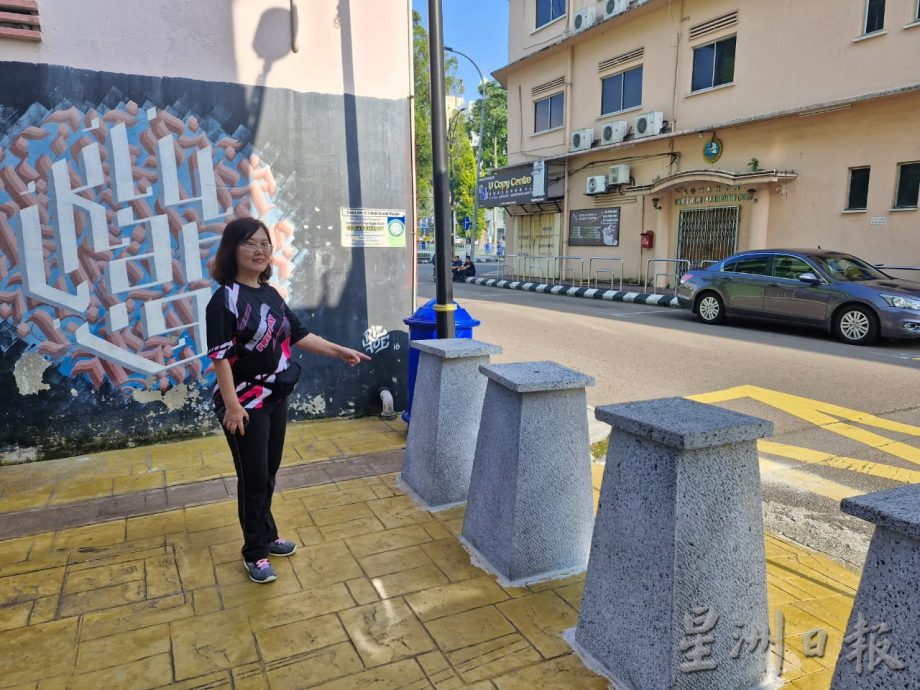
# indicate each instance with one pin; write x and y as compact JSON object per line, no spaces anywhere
{"x":282,"y":547}
{"x":260,"y":571}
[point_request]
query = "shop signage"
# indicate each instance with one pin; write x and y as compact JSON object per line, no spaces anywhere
{"x":595,"y":227}
{"x":712,"y":151}
{"x":520,"y":185}
{"x":715,"y":194}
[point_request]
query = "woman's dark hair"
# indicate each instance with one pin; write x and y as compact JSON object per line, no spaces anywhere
{"x":224,"y":268}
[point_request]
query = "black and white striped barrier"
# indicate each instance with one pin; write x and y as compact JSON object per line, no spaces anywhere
{"x":571,"y":291}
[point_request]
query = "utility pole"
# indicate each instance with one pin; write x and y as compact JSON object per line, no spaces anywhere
{"x":444,"y":302}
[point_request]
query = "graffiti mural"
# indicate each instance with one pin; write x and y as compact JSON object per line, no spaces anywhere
{"x":108,"y":218}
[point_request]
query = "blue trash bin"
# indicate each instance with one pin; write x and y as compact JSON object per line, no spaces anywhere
{"x":423,"y":325}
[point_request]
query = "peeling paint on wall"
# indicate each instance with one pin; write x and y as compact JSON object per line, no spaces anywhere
{"x":174,"y":399}
{"x":28,"y":373}
{"x":312,"y":407}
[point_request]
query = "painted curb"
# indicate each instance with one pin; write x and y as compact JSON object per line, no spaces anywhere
{"x":586,"y":292}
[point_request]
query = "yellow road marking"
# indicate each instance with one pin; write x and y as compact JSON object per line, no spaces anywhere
{"x":826,"y":416}
{"x":840,"y":462}
{"x":771,"y":471}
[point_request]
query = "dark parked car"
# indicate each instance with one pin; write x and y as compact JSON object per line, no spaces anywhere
{"x":842,"y":294}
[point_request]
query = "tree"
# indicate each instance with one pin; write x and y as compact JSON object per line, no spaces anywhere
{"x":495,"y":128}
{"x":463,"y":173}
{"x":453,"y":85}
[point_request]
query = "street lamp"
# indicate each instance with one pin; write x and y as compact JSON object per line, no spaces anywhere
{"x":482,"y":113}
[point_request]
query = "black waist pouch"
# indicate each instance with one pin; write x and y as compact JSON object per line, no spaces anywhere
{"x":286,"y":381}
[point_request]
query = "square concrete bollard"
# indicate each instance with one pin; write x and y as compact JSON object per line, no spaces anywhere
{"x":881,"y":647}
{"x":529,"y":514}
{"x":677,"y":557}
{"x":445,"y":420}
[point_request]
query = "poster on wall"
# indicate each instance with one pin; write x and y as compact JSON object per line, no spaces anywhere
{"x":595,"y":227}
{"x":373,"y":227}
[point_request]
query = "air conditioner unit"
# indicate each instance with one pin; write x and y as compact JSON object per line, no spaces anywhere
{"x":614,"y":132}
{"x":618,"y":174}
{"x":582,"y":139}
{"x":585,"y":18}
{"x":648,"y":125}
{"x":597,"y":184}
{"x":615,"y":7}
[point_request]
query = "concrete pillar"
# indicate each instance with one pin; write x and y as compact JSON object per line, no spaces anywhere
{"x":447,"y":404}
{"x":529,"y":513}
{"x":677,"y":557}
{"x":760,"y":219}
{"x":881,"y":648}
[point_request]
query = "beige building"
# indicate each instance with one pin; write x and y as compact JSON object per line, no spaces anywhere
{"x":705,"y":127}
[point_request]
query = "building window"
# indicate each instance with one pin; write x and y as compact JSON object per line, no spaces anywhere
{"x":714,"y":64}
{"x":908,"y":185}
{"x":621,"y":91}
{"x":549,"y":10}
{"x":858,"y":195}
{"x":917,"y":13}
{"x":548,"y":113}
{"x":875,"y":15}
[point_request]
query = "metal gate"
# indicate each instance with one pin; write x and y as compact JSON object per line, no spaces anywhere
{"x":707,"y":234}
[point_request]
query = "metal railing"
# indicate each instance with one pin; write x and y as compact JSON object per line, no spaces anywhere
{"x":561,"y":271}
{"x":678,"y":263}
{"x":591,"y":261}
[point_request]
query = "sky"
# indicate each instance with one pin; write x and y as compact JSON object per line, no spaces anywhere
{"x":477,"y":27}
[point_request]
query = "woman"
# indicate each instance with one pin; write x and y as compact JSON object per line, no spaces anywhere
{"x":250,"y":333}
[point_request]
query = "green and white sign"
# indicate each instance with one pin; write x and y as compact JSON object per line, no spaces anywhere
{"x":373,"y":227}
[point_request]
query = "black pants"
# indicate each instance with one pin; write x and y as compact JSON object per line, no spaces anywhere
{"x":257,"y":457}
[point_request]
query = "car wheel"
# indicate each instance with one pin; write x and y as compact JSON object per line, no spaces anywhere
{"x":709,"y":308}
{"x":856,"y":325}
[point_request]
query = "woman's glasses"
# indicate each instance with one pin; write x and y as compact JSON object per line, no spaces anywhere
{"x":251,"y":246}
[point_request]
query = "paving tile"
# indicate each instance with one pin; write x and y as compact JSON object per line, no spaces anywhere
{"x":455,"y":598}
{"x":493,"y":658}
{"x":541,"y":618}
{"x":140,"y":482}
{"x":450,"y":556}
{"x":407,"y":581}
{"x":324,"y":564}
{"x":15,"y":616}
{"x":152,"y":672}
{"x":398,"y":511}
{"x":362,"y":590}
{"x":103,"y":576}
{"x":832,"y":612}
{"x":195,"y":566}
{"x":104,"y":534}
{"x":26,"y":586}
{"x":572,"y":594}
{"x":343,"y":513}
{"x":162,"y":577}
{"x":133,"y":617}
{"x":249,"y":677}
{"x":45,"y":610}
{"x":469,"y":628}
{"x":403,"y":675}
{"x":387,"y":541}
{"x":91,"y":556}
{"x":131,"y":646}
{"x":82,"y":490}
{"x":294,"y":639}
{"x":158,"y":524}
{"x":38,"y":651}
{"x":331,"y":498}
{"x":244,"y":591}
{"x":436,"y":530}
{"x":385,"y":632}
{"x":206,"y":600}
{"x":211,"y":516}
{"x":352,"y":528}
{"x":290,"y":608}
{"x":559,"y":674}
{"x":102,"y":598}
{"x":320,"y":666}
{"x":204,"y":644}
{"x":309,"y":535}
{"x":14,"y":550}
{"x":395,"y":561}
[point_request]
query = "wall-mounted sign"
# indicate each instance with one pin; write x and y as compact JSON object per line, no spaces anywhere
{"x":712,"y":194}
{"x":878,"y":220}
{"x":539,"y":180}
{"x":508,"y":187}
{"x":712,"y":151}
{"x":373,"y":227}
{"x":595,"y":227}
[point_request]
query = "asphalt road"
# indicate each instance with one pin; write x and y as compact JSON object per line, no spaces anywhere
{"x":847,"y":419}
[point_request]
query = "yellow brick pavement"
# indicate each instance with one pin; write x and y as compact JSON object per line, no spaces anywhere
{"x":380,"y":594}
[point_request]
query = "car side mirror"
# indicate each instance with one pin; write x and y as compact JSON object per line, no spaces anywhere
{"x":809,"y":278}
